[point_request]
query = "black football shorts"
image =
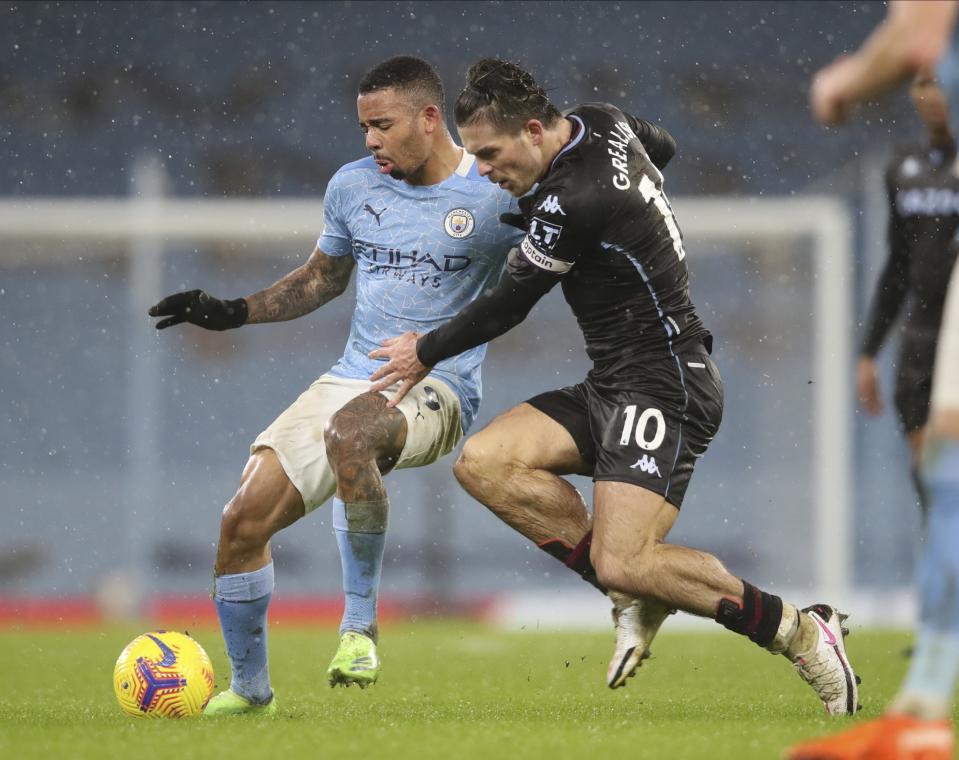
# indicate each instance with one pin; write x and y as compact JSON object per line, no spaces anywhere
{"x":647,"y":430}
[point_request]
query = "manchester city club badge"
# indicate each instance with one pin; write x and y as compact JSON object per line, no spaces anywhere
{"x":459,"y":223}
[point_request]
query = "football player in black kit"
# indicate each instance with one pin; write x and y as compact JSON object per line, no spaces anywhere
{"x":923,"y":190}
{"x":599,"y":223}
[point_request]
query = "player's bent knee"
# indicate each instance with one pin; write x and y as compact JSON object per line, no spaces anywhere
{"x":610,"y":571}
{"x":635,"y":576}
{"x":348,"y":434}
{"x":484,"y":457}
{"x":241,"y":531}
{"x":467,"y":469}
{"x":479,"y":473}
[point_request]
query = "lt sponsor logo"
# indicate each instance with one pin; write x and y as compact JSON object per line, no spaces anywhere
{"x":459,"y":223}
{"x":648,"y":465}
{"x":551,"y":206}
{"x":544,"y":233}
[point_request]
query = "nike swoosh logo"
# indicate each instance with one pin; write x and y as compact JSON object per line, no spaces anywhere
{"x":830,"y":638}
{"x":169,"y":656}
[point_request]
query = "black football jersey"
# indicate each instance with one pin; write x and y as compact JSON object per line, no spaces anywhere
{"x":600,"y":223}
{"x":923,"y":190}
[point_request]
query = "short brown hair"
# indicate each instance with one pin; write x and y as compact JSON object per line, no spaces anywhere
{"x":503,"y":94}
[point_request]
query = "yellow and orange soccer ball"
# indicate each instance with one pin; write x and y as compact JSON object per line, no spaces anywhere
{"x":163,"y":674}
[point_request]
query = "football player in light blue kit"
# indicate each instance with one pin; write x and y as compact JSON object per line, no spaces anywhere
{"x":916,"y":725}
{"x":422,"y":230}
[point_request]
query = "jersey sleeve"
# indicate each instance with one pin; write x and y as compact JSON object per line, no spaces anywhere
{"x":336,"y":239}
{"x":893,"y":282}
{"x":659,"y":144}
{"x":497,"y":311}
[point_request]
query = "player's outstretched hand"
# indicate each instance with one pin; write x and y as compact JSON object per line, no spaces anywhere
{"x":201,"y":309}
{"x":402,"y":365}
{"x":829,"y":95}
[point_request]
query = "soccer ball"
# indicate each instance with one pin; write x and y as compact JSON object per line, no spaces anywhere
{"x":163,"y":674}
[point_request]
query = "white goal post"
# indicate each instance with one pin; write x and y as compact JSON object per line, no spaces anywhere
{"x":142,"y":224}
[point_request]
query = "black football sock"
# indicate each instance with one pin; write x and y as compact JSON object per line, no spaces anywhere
{"x":576,"y":558}
{"x":757,"y":617}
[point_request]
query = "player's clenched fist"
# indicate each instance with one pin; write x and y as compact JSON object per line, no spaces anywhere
{"x":201,"y":309}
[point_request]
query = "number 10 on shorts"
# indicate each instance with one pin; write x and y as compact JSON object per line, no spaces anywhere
{"x":642,"y":426}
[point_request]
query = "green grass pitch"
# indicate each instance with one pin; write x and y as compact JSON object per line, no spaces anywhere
{"x":447,"y":690}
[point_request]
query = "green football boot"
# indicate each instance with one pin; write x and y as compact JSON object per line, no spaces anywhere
{"x":354,"y":662}
{"x":230,"y":703}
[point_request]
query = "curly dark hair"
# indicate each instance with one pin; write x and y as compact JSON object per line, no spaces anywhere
{"x":503,"y":94}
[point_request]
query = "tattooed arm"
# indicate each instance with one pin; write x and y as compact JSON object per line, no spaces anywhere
{"x":303,"y":290}
{"x":321,"y":279}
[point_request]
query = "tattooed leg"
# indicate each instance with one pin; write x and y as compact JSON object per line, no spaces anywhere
{"x":363,"y":441}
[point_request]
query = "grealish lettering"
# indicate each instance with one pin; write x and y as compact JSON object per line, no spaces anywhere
{"x":617,"y":144}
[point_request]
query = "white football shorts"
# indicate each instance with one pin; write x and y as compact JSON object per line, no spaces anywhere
{"x":945,"y":378}
{"x":432,"y":412}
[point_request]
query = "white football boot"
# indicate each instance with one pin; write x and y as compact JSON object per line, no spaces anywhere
{"x":826,"y":667}
{"x":636,"y":622}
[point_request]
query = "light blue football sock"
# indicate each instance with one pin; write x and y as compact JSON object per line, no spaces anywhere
{"x":935,"y":662}
{"x":361,"y":536}
{"x":241,"y":603}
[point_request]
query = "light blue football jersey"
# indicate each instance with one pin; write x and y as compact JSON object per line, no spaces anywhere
{"x":422,"y":253}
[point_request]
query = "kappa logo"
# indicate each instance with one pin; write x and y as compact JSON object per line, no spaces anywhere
{"x":648,"y":465}
{"x":376,"y":214}
{"x":551,"y":206}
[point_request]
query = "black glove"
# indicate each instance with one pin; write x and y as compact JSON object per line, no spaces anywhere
{"x":200,"y":309}
{"x":514,"y":220}
{"x":521,"y":218}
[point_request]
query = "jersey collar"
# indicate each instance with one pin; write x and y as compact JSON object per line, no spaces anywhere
{"x":575,"y":139}
{"x":466,"y":163}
